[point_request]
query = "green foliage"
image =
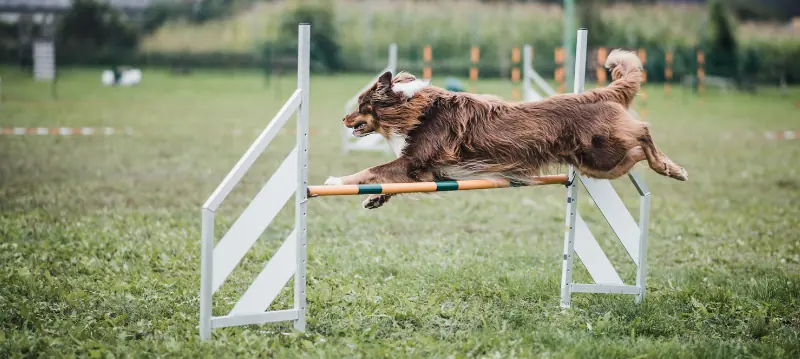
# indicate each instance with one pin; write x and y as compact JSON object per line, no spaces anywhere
{"x":357,"y":37}
{"x":205,"y":10}
{"x":194,"y":12}
{"x":589,"y":17}
{"x":160,"y":13}
{"x":722,"y":45}
{"x":95,"y":30}
{"x":770,"y":10}
{"x":325,"y":49}
{"x":90,"y":24}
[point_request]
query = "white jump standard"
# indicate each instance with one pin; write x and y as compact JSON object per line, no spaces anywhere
{"x":290,"y":259}
{"x":291,"y":177}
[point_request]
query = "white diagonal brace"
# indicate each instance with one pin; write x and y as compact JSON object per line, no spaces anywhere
{"x":271,"y":280}
{"x":248,"y":158}
{"x":592,"y":256}
{"x":255,"y":219}
{"x":616,"y":214}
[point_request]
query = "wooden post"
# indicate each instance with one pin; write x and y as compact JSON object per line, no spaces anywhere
{"x":427,"y":56}
{"x":701,"y":72}
{"x":559,"y":73}
{"x":602,"y":54}
{"x":643,"y":58}
{"x":475,"y":56}
{"x":668,"y":73}
{"x":515,"y":73}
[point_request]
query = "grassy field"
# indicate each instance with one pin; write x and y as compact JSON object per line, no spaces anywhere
{"x":100,"y":235}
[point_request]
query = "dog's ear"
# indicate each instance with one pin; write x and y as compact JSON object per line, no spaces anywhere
{"x":385,"y":81}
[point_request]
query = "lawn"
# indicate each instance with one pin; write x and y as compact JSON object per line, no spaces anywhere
{"x":100,"y":235}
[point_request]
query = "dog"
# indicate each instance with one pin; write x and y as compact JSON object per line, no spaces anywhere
{"x":441,"y":135}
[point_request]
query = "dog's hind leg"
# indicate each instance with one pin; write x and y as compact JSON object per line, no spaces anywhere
{"x":632,"y":157}
{"x":658,"y":161}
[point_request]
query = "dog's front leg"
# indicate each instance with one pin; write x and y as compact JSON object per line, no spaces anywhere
{"x":396,"y":171}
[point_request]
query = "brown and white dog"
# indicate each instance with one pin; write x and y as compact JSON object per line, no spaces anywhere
{"x":442,"y":135}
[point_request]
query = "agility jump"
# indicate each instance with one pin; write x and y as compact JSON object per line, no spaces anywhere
{"x":419,"y":187}
{"x":291,"y":178}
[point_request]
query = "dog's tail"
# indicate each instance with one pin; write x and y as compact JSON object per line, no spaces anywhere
{"x":626,"y":73}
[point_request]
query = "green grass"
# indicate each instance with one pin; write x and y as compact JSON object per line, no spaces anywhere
{"x":100,"y":236}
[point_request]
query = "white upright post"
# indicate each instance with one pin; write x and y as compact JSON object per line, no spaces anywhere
{"x":206,"y":272}
{"x":572,"y":190}
{"x":644,"y":223}
{"x":393,"y":58}
{"x":526,"y":66}
{"x":301,"y":196}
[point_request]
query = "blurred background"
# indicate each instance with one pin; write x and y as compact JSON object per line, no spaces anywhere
{"x":119,"y":118}
{"x":745,"y":41}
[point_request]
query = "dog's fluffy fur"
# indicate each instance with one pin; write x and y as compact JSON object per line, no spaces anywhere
{"x":444,"y":135}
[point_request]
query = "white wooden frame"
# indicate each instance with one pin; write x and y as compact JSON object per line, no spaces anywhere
{"x":373,"y":142}
{"x":290,"y":259}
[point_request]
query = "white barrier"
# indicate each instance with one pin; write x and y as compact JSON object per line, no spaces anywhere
{"x":373,"y":142}
{"x":579,"y":240}
{"x":529,"y":92}
{"x":290,"y":259}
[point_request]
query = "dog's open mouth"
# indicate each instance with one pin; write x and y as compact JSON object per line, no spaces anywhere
{"x":359,"y":129}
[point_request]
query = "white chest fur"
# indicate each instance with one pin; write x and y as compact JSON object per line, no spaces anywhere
{"x":397,"y":143}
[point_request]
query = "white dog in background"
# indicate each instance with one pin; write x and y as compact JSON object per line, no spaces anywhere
{"x":128,"y":77}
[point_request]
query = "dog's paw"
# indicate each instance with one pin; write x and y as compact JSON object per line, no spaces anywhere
{"x":683,"y":176}
{"x":333,"y":181}
{"x":375,"y":201}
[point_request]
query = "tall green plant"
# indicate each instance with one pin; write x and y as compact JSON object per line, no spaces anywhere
{"x":722,"y":44}
{"x":589,"y":18}
{"x":96,"y":25}
{"x":325,"y":48}
{"x":91,"y":29}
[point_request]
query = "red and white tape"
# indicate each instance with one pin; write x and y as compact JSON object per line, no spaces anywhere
{"x":61,"y":131}
{"x":782,"y":135}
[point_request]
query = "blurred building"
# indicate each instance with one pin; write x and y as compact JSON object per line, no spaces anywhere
{"x":30,"y":15}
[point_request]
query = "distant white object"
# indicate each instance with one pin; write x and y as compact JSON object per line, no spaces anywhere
{"x":44,"y":61}
{"x":129,"y":77}
{"x":372,"y":142}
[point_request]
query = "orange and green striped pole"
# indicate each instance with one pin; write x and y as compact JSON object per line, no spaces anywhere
{"x":442,"y":186}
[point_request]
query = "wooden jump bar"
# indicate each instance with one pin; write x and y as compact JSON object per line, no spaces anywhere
{"x":413,"y":187}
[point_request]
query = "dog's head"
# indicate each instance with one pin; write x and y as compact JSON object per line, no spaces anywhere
{"x":382,"y":98}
